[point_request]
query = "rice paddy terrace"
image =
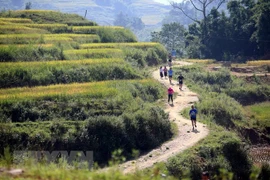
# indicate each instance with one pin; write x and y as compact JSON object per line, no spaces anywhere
{"x":77,"y":86}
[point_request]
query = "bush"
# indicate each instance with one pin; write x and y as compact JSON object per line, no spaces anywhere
{"x":116,"y":35}
{"x":223,"y":109}
{"x":220,"y":150}
{"x":248,"y":94}
{"x":152,"y":57}
{"x":135,"y":56}
{"x":238,"y":158}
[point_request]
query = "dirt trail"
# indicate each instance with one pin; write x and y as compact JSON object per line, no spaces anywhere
{"x":185,"y":138}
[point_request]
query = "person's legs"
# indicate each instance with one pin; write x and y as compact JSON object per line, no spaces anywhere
{"x":170,"y":98}
{"x":180,"y":85}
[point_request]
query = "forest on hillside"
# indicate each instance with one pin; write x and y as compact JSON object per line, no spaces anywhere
{"x":239,"y":34}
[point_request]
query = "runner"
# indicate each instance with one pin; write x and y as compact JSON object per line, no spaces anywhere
{"x":193,"y":114}
{"x":161,"y":72}
{"x":180,"y":80}
{"x":165,"y":70}
{"x":170,"y":75}
{"x":170,"y":60}
{"x":170,"y":94}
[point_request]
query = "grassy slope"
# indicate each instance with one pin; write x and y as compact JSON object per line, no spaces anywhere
{"x":132,"y":105}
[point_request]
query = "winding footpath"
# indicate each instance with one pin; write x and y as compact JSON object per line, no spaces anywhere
{"x":185,"y":138}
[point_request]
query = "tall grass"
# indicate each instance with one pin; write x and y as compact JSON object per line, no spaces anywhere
{"x":93,"y":53}
{"x":20,"y":29}
{"x":46,"y":38}
{"x":17,"y":20}
{"x":93,"y":29}
{"x":204,"y":61}
{"x":93,"y":89}
{"x":30,"y":52}
{"x":56,"y":72}
{"x":53,"y":28}
{"x":258,"y":63}
{"x":141,"y":45}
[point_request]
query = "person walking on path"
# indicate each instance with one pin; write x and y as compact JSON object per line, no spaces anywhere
{"x":165,"y":70}
{"x":193,"y":113}
{"x":170,"y":60}
{"x":161,"y":72}
{"x":180,"y":80}
{"x":170,"y":94}
{"x":170,"y":72}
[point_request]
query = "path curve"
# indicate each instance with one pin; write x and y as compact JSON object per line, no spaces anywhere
{"x":185,"y":138}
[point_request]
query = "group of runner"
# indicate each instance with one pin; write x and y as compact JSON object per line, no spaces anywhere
{"x":163,"y":73}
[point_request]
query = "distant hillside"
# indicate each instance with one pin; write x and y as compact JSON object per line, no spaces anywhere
{"x":101,"y":11}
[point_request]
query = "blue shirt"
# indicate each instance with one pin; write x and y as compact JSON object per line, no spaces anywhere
{"x":170,"y":72}
{"x":193,"y":113}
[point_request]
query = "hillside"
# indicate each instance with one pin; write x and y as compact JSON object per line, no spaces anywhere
{"x":101,"y":11}
{"x":70,"y":85}
{"x":67,"y":83}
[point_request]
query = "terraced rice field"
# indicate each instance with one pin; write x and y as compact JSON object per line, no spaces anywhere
{"x":60,"y":87}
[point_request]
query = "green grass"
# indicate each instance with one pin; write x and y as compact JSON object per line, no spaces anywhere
{"x":258,"y":115}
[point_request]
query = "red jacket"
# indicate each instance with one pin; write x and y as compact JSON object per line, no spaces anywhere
{"x":170,"y":91}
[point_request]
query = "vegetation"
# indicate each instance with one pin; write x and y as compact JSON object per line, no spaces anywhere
{"x":258,"y":116}
{"x":48,"y":17}
{"x":46,"y":38}
{"x":93,"y":97}
{"x":238,"y":36}
{"x":62,"y":72}
{"x":126,"y":115}
{"x":57,"y":95}
{"x":221,"y":151}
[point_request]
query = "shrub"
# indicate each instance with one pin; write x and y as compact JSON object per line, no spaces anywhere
{"x":135,"y":56}
{"x":152,"y":57}
{"x":223,"y":109}
{"x":117,"y":35}
{"x":220,"y":150}
{"x":250,"y":94}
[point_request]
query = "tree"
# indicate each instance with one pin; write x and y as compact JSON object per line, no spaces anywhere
{"x":262,"y":33}
{"x":201,"y":6}
{"x":133,"y":23}
{"x":217,"y":41}
{"x":241,"y":27}
{"x":171,"y":36}
{"x":28,"y":5}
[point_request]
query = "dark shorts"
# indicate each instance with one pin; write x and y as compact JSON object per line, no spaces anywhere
{"x":165,"y":73}
{"x":161,"y":74}
{"x":170,"y":76}
{"x":180,"y":82}
{"x":193,"y":118}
